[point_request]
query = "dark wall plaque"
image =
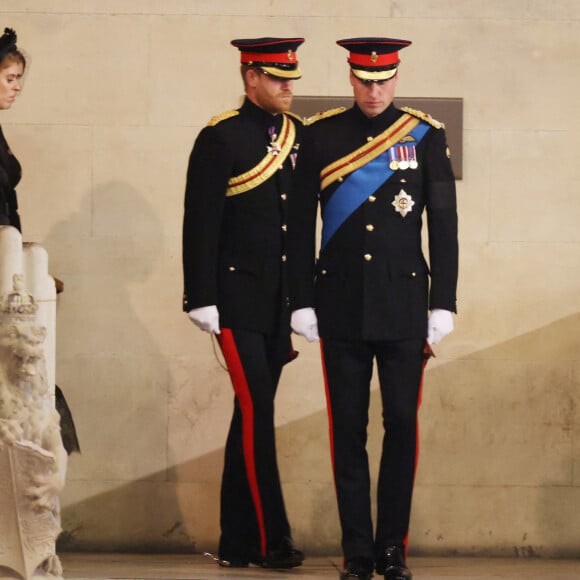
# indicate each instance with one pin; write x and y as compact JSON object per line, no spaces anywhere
{"x":446,"y":110}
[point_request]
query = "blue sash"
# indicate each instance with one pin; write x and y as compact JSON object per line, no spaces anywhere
{"x":357,"y":188}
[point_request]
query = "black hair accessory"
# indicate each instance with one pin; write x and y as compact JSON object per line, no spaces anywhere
{"x":8,"y":39}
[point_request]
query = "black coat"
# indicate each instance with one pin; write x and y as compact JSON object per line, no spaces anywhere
{"x":234,"y":247}
{"x":10,"y":173}
{"x":371,"y":281}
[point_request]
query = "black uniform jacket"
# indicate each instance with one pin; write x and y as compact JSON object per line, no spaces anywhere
{"x":10,"y":173}
{"x":234,"y":247}
{"x":371,"y":281}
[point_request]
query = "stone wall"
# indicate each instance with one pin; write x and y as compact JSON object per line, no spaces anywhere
{"x":115,"y":94}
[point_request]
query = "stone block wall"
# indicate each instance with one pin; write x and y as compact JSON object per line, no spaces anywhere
{"x":115,"y":94}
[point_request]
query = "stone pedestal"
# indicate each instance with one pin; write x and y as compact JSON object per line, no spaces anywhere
{"x":32,"y":458}
{"x":27,"y":535}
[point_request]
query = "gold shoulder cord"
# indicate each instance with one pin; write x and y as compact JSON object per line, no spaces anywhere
{"x":424,"y":117}
{"x":269,"y":164}
{"x":222,"y":117}
{"x":300,"y":119}
{"x":324,"y":115}
{"x":369,"y":151}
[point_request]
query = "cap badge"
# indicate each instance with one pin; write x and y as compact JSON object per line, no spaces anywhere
{"x":403,"y":203}
{"x":374,"y":56}
{"x":290,"y":55}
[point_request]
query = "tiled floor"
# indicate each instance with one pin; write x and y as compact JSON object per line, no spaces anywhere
{"x":181,"y":567}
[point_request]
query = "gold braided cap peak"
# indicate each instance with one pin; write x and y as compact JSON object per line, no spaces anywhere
{"x":324,"y":115}
{"x":424,"y":117}
{"x":222,"y":117}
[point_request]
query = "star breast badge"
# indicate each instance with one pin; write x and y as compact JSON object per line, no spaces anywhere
{"x":403,"y":203}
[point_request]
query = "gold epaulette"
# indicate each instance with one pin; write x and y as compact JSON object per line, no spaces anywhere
{"x":324,"y":115}
{"x":222,"y":117}
{"x":295,"y":116}
{"x":424,"y":117}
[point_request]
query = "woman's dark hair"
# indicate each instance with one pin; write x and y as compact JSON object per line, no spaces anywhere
{"x":8,"y":50}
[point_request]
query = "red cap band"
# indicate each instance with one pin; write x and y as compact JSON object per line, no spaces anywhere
{"x":374,"y":59}
{"x":278,"y":57}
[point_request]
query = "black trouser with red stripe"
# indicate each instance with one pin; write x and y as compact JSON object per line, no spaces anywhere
{"x":253,"y":517}
{"x":348,"y":367}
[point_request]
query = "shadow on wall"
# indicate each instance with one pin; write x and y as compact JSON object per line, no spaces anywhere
{"x":499,"y":467}
{"x":113,"y":373}
{"x":496,"y":434}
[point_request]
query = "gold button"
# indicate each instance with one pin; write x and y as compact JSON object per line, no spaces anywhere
{"x":340,"y":180}
{"x":283,"y":257}
{"x":368,"y":257}
{"x":413,"y":274}
{"x":372,"y":198}
{"x":324,"y":272}
{"x":284,"y":227}
{"x":232,"y":268}
{"x":370,"y":139}
{"x":370,"y":228}
{"x":284,"y":197}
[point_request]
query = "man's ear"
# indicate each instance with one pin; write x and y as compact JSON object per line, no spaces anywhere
{"x":351,"y":78}
{"x":252,"y":77}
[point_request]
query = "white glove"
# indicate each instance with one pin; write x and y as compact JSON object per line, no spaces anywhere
{"x":440,"y":324}
{"x":207,"y":318}
{"x":304,"y":322}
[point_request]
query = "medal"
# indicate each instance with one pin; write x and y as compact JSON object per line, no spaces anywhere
{"x":413,"y":163}
{"x":403,"y":203}
{"x":274,"y":148}
{"x":392,"y":161}
{"x":404,"y":157}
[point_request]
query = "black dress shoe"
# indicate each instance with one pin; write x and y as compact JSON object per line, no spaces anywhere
{"x":233,"y":552}
{"x":285,"y":555}
{"x":233,"y":562}
{"x":358,"y":568}
{"x":391,"y":563}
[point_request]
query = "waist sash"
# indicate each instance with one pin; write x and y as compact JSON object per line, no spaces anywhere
{"x":269,"y":165}
{"x":368,"y":171}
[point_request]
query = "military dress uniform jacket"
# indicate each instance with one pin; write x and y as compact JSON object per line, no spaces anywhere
{"x":234,"y":246}
{"x":371,"y":281}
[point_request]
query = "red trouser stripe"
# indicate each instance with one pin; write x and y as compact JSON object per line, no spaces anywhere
{"x":428,"y":353}
{"x":330,"y":420}
{"x":242,"y":391}
{"x":328,"y":408}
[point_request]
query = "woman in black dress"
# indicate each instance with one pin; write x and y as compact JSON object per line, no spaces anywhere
{"x":12,"y":65}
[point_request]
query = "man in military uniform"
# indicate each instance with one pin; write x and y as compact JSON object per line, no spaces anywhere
{"x":375,"y":170}
{"x":234,"y":264}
